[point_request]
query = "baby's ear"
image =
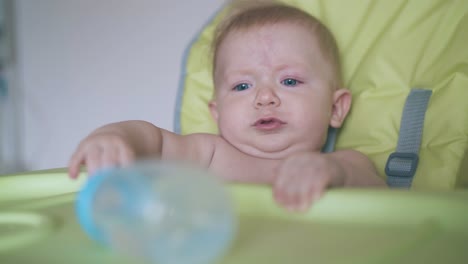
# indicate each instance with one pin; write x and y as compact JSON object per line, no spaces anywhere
{"x":341,"y":106}
{"x":213,"y":110}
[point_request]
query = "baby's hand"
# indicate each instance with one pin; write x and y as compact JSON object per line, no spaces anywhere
{"x":100,"y":150}
{"x":303,"y":178}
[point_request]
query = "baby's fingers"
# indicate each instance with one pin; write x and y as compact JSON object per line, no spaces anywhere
{"x":293,"y":201}
{"x":108,"y":157}
{"x":298,"y":196}
{"x":126,"y":156}
{"x":74,"y":164}
{"x":94,"y":160}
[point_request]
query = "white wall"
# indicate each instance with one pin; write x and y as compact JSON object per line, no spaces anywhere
{"x":84,"y":63}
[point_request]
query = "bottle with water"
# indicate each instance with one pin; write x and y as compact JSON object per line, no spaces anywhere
{"x":162,"y":212}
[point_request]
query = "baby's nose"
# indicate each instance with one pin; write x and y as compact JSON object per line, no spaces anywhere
{"x":266,"y":97}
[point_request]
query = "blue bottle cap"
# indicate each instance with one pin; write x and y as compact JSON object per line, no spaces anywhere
{"x":84,"y":204}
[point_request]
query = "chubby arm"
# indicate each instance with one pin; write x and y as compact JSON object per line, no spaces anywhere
{"x":304,"y":177}
{"x":300,"y":179}
{"x":121,"y":143}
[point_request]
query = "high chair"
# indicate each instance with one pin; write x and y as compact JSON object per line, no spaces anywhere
{"x":388,"y":48}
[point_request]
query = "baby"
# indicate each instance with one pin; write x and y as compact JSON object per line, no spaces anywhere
{"x":278,"y":88}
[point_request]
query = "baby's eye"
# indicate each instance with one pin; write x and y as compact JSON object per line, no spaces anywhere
{"x":290,"y":82}
{"x":241,"y":87}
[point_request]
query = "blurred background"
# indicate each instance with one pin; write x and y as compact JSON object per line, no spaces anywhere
{"x":68,"y":67}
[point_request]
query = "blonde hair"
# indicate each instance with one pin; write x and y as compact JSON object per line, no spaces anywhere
{"x":244,"y":15}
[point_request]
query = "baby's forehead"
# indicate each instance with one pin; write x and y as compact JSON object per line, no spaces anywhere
{"x":267,"y":35}
{"x":271,"y":26}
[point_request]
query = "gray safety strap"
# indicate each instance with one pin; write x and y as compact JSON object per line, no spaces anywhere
{"x":331,"y":140}
{"x":401,"y":164}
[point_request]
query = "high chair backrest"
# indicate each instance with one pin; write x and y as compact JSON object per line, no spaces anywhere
{"x":387,"y":49}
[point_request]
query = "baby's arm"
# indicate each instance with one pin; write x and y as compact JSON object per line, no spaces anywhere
{"x":304,"y":177}
{"x":121,"y":143}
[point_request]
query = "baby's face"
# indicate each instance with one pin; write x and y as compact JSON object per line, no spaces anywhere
{"x":273,"y":94}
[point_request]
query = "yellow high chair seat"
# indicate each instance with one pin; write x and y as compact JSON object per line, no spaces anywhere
{"x":387,"y":48}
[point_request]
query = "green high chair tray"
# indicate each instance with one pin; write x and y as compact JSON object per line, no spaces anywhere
{"x":38,"y":225}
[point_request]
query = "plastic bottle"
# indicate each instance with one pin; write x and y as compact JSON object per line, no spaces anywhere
{"x":163,"y":212}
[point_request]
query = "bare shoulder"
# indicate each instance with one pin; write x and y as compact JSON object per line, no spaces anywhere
{"x":358,"y":168}
{"x":202,"y":141}
{"x":198,"y":148}
{"x":351,"y":155}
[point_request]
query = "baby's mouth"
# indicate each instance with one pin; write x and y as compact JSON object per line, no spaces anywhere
{"x":268,"y":124}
